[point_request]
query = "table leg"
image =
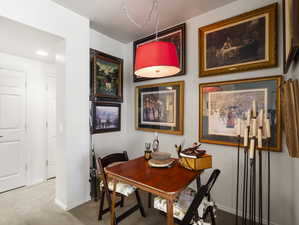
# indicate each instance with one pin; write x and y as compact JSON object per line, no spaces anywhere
{"x":170,"y":220}
{"x":113,"y":203}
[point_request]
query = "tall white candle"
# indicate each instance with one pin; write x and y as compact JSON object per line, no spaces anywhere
{"x":239,"y":127}
{"x":248,"y":118}
{"x":254,"y":127}
{"x":261,"y":118}
{"x":260,"y":138}
{"x":251,"y":149}
{"x":254,"y":109}
{"x":268,"y":129}
{"x":246,"y":137}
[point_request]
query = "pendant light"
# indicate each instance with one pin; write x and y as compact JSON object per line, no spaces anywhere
{"x":158,"y":58}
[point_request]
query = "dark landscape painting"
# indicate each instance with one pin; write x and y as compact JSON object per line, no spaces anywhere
{"x":237,"y":44}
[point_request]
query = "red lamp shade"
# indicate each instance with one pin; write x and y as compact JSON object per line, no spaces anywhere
{"x":156,"y":59}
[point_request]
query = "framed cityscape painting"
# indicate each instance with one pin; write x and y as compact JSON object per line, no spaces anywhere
{"x":291,"y":32}
{"x":175,"y":35}
{"x":223,"y":103}
{"x":106,"y":117}
{"x":160,"y":108}
{"x":244,"y":42}
{"x":106,"y":77}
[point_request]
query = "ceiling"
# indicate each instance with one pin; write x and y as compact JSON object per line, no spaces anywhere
{"x":109,"y":18}
{"x":22,"y":40}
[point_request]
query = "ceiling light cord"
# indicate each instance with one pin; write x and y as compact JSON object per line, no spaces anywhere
{"x":155,"y":6}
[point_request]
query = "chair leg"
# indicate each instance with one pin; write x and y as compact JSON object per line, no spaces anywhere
{"x":140,"y":204}
{"x":122,"y":200}
{"x":149,"y":200}
{"x":101,"y":205}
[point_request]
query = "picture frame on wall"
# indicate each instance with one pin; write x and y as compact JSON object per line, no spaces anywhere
{"x":241,"y":43}
{"x":106,"y":78}
{"x":175,"y":35}
{"x":106,"y":117}
{"x":290,"y":32}
{"x":223,"y":103}
{"x":160,"y":108}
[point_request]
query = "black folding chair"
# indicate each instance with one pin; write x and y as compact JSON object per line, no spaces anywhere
{"x":105,"y":191}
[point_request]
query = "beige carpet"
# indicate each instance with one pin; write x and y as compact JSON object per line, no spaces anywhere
{"x":35,"y":206}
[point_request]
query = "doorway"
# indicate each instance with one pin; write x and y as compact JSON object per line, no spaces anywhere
{"x":28,"y":75}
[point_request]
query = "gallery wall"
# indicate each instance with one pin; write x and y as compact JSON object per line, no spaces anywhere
{"x":283,"y":181}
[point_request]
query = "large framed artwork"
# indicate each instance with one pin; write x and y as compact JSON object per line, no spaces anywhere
{"x":106,"y":117}
{"x":244,"y":42}
{"x":160,"y":108}
{"x":291,"y":31}
{"x":176,"y":35}
{"x":223,"y":103}
{"x":106,"y":77}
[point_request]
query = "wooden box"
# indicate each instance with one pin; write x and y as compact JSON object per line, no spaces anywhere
{"x":204,"y":162}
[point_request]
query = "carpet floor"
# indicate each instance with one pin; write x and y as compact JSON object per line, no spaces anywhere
{"x":35,"y":206}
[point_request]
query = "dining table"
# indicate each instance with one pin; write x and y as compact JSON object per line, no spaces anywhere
{"x":167,"y":183}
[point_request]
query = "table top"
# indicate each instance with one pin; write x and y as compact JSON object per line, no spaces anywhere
{"x":137,"y":172}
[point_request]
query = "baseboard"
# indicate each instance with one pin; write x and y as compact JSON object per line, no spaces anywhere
{"x":60,"y":204}
{"x":233,"y":211}
{"x":71,"y":205}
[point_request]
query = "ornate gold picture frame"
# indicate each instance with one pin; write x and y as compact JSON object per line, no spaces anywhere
{"x":160,"y":108}
{"x":222,"y":103}
{"x":244,"y":42}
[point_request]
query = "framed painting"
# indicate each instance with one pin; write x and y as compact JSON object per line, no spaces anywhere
{"x":106,"y":77}
{"x":106,"y":117}
{"x":223,"y":103}
{"x":160,"y":108}
{"x":176,"y":35}
{"x":290,"y":32}
{"x":244,"y":42}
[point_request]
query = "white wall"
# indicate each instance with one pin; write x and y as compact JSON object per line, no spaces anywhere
{"x":36,"y":96}
{"x":106,"y":143}
{"x":224,"y":158}
{"x":73,"y":153}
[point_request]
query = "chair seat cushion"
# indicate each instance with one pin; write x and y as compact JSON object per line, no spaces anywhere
{"x":121,"y":188}
{"x":182,"y":203}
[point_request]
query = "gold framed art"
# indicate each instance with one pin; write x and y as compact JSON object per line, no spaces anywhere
{"x":223,"y":103}
{"x":245,"y":42}
{"x":160,"y":108}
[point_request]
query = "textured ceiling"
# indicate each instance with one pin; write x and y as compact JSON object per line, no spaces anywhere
{"x":109,"y":18}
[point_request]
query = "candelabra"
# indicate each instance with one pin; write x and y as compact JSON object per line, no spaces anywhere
{"x":256,"y":134}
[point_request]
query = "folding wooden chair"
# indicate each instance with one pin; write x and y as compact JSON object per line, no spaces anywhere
{"x":123,"y":190}
{"x":191,"y":207}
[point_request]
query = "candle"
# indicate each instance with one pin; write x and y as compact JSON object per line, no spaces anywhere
{"x":261,"y":118}
{"x":254,"y":127}
{"x":239,"y":127}
{"x":246,"y":137}
{"x":268,"y":130}
{"x":248,"y":117}
{"x":259,"y":138}
{"x":254,"y":109}
{"x":251,"y":150}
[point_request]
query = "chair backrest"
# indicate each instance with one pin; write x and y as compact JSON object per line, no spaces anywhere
{"x":201,"y":193}
{"x":109,"y":159}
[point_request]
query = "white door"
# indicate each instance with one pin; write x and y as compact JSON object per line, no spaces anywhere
{"x":51,"y":124}
{"x":12,"y":129}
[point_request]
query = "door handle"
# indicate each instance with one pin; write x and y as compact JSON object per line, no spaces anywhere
{"x":1,"y":136}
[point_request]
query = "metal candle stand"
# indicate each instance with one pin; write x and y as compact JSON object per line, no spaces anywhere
{"x":253,"y":141}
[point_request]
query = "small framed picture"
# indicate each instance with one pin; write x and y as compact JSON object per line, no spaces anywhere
{"x":291,"y":32}
{"x":106,"y":117}
{"x":244,"y":42}
{"x":106,"y":77}
{"x":175,"y":35}
{"x":160,"y":108}
{"x":223,"y":103}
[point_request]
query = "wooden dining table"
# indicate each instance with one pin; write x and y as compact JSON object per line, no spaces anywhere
{"x":164,"y":182}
